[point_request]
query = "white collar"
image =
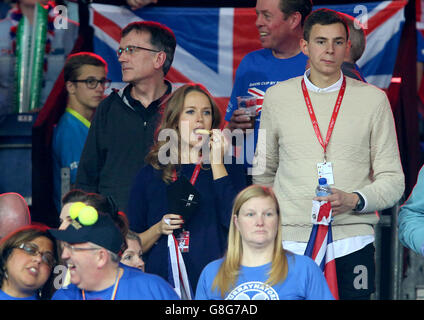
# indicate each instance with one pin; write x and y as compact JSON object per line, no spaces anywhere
{"x":334,"y":87}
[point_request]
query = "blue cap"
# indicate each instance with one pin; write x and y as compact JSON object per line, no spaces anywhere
{"x":322,"y":181}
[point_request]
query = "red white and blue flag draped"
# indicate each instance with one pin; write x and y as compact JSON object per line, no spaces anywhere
{"x":320,"y":245}
{"x":212,"y":41}
{"x":177,"y":273}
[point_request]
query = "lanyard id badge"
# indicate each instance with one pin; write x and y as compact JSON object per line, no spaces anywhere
{"x":325,"y":169}
{"x":183,"y":240}
{"x":186,"y":203}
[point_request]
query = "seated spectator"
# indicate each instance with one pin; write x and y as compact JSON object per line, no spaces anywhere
{"x":256,"y":267}
{"x":133,"y":256}
{"x":103,"y":204}
{"x":154,"y":210}
{"x":85,"y":81}
{"x":28,"y":257}
{"x":411,"y":218}
{"x":74,"y":195}
{"x":14,"y":213}
{"x":91,"y":247}
{"x":59,"y":43}
{"x":100,"y":203}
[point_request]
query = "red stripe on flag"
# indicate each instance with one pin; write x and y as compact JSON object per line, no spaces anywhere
{"x":319,"y":240}
{"x":108,"y":26}
{"x":331,"y":277}
{"x":255,"y":92}
{"x":324,"y":211}
{"x":174,"y":76}
{"x":383,"y":15}
{"x":222,"y":103}
{"x":246,"y":36}
{"x":178,"y":261}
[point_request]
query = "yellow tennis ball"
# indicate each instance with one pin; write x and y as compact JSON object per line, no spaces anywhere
{"x":88,"y":216}
{"x":75,"y":209}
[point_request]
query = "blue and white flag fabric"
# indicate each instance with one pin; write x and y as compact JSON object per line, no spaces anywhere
{"x":212,"y":41}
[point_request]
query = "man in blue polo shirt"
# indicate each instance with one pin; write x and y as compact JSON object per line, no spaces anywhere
{"x":85,"y":81}
{"x":280,"y":26}
{"x":92,"y":246}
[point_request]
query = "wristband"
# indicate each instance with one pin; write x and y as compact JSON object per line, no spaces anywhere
{"x":361,"y":203}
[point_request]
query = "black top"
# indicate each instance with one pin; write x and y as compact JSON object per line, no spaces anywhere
{"x":119,"y":139}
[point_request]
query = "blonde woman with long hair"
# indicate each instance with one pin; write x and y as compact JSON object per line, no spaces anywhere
{"x":256,"y":267}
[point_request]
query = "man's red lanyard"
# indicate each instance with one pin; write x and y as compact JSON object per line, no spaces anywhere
{"x":333,"y":117}
{"x":178,"y":268}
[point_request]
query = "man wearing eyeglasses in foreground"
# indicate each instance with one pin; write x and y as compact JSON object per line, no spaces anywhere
{"x":85,"y":81}
{"x":123,"y":128}
{"x":91,"y":247}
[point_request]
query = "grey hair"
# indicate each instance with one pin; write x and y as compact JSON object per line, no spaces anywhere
{"x":114,"y":257}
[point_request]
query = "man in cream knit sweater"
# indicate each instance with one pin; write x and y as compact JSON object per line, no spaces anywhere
{"x":357,"y":152}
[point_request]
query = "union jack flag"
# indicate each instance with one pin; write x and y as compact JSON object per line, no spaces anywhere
{"x":212,"y":41}
{"x":320,"y":246}
{"x":383,"y":24}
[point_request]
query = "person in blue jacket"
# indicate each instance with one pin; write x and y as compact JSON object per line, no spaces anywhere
{"x":188,"y":146}
{"x":256,"y":267}
{"x":280,"y":28}
{"x":411,"y":218}
{"x":91,"y":248}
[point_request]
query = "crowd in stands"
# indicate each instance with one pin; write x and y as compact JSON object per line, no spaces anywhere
{"x":161,"y":208}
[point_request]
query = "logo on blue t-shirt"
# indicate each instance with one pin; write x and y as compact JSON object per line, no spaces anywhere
{"x":254,"y":290}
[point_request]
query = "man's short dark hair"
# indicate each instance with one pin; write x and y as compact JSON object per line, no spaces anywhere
{"x":288,"y":7}
{"x":323,"y":17}
{"x":161,"y":38}
{"x":76,"y":61}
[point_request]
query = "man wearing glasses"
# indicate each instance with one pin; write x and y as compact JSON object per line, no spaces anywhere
{"x":85,"y":81}
{"x":91,"y":249}
{"x":122,"y":130}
